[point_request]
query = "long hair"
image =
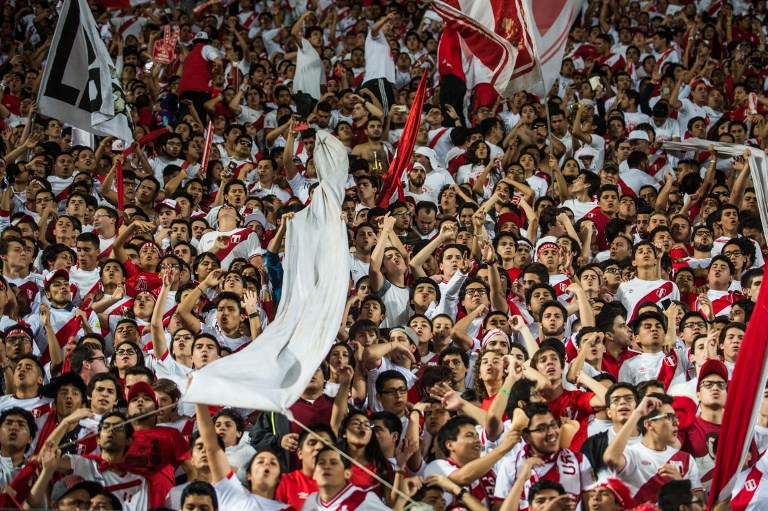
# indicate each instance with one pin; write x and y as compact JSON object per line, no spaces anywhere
{"x":372,"y":452}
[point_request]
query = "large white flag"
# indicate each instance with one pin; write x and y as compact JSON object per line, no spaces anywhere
{"x":80,"y":86}
{"x":273,"y":371}
{"x":518,"y":43}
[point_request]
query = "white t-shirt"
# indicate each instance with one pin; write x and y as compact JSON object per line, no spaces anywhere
{"x":232,"y":495}
{"x":636,"y":291}
{"x":641,"y":475}
{"x":243,"y":242}
{"x":132,"y":490}
{"x":378,"y":58}
{"x":351,"y":498}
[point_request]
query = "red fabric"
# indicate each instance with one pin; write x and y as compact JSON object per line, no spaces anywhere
{"x":294,"y":488}
{"x":745,"y":394}
{"x":449,"y":60}
{"x":139,"y":280}
{"x":574,"y":404}
{"x":393,"y":180}
{"x":156,"y":453}
{"x":196,"y":75}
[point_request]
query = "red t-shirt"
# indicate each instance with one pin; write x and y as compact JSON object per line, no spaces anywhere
{"x":139,"y":280}
{"x":294,"y":488}
{"x":156,"y":453}
{"x":574,"y":404}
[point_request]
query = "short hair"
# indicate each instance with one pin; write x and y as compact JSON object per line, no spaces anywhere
{"x":232,"y":414}
{"x":533,"y":409}
{"x":386,"y":376}
{"x":200,"y":488}
{"x":330,"y":448}
{"x":96,"y":378}
{"x":452,"y":350}
{"x":675,"y":493}
{"x":316,"y":428}
{"x":621,"y":385}
{"x":391,"y":422}
{"x":450,"y":430}
{"x":749,"y":277}
{"x":543,"y":485}
{"x":26,"y":415}
{"x":128,"y":426}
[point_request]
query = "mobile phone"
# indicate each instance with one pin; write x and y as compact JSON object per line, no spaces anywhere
{"x":148,"y":66}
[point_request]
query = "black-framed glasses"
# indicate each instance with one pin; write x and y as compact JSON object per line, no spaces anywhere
{"x":475,"y":291}
{"x":360,"y":425}
{"x":126,"y":352}
{"x":102,"y":358}
{"x":544,"y":428}
{"x":393,"y":392}
{"x":113,"y":427}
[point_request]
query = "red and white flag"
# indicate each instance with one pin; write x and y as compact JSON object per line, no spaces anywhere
{"x":520,"y":43}
{"x":745,"y":393}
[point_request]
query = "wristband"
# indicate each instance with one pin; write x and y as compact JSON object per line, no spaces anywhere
{"x":504,"y":391}
{"x":253,"y":315}
{"x":461,"y":493}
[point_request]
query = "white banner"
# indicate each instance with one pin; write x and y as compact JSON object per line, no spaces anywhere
{"x":273,"y":371}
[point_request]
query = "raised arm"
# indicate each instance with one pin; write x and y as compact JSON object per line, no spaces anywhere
{"x":614,"y":454}
{"x":375,"y":276}
{"x":185,"y":308}
{"x":159,"y":344}
{"x":217,"y":460}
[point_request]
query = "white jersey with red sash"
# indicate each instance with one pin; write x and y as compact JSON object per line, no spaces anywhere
{"x":482,"y":488}
{"x":641,"y":472}
{"x":65,"y":323}
{"x":105,"y":247}
{"x":722,"y":301}
{"x":131,"y":489}
{"x":658,"y":165}
{"x":351,"y":498}
{"x":37,"y":406}
{"x":667,"y":56}
{"x":615,"y":61}
{"x":242,"y":243}
{"x":31,"y":285}
{"x":440,"y":140}
{"x":636,"y":291}
{"x":247,"y":18}
{"x":560,"y":283}
{"x":85,"y":281}
{"x":59,"y":188}
{"x":750,"y":492}
{"x":671,"y":369}
{"x":570,"y":469}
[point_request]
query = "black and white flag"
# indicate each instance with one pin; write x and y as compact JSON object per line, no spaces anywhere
{"x":80,"y":85}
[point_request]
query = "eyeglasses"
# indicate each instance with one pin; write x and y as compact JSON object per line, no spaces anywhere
{"x":393,"y":392}
{"x":616,"y":271}
{"x":671,"y":417}
{"x":629,"y":398}
{"x":721,"y":194}
{"x":695,"y":324}
{"x":126,"y":352}
{"x":112,"y":426}
{"x":99,"y":216}
{"x":360,"y":425}
{"x":166,"y":266}
{"x":245,"y":142}
{"x":102,"y":358}
{"x":544,"y":428}
{"x":475,"y":291}
{"x":401,"y":213}
{"x":733,"y":253}
{"x":18,"y":340}
{"x":709,"y":385}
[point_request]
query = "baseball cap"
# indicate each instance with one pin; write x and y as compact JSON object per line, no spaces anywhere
{"x":712,"y":367}
{"x":201,"y":36}
{"x":409,"y":332}
{"x":74,"y":482}
{"x":168,"y":203}
{"x":509,"y":217}
{"x":142,"y":387}
{"x":638,"y":135}
{"x":57,"y":273}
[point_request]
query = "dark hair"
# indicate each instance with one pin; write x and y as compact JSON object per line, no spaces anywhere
{"x":317,"y":428}
{"x":391,"y":422}
{"x":674,"y":494}
{"x":200,"y":488}
{"x":386,"y":376}
{"x":372,"y":451}
{"x":128,"y":426}
{"x":26,"y":415}
{"x":452,"y":350}
{"x":621,"y":385}
{"x":450,"y":430}
{"x":543,"y":485}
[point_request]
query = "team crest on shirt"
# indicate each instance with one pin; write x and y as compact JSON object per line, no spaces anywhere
{"x":235,"y":238}
{"x":661,"y":292}
{"x":670,"y":361}
{"x":750,"y":485}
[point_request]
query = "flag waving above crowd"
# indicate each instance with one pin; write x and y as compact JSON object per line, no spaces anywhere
{"x":80,"y":85}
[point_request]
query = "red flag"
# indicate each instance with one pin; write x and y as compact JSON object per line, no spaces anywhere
{"x":146,"y":139}
{"x":394,"y":179}
{"x":120,"y":4}
{"x":519,"y":43}
{"x":745,"y":393}
{"x":206,"y":149}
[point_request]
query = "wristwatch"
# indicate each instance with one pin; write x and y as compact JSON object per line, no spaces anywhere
{"x":461,"y":493}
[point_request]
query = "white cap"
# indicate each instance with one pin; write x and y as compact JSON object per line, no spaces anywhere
{"x":638,"y":135}
{"x":429,"y":153}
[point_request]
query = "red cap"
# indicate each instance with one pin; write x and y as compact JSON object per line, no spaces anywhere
{"x":619,"y":490}
{"x":142,"y":387}
{"x":712,"y":366}
{"x":57,"y":273}
{"x":509,"y":217}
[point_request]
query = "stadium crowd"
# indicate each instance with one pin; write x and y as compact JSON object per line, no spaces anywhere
{"x":546,"y":320}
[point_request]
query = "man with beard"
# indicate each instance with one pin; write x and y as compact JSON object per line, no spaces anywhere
{"x":170,"y":154}
{"x":364,"y":242}
{"x":417,"y":175}
{"x":377,"y":152}
{"x":622,"y":399}
{"x":697,"y":436}
{"x":240,"y":163}
{"x":646,"y":465}
{"x":702,"y":251}
{"x":542,"y":440}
